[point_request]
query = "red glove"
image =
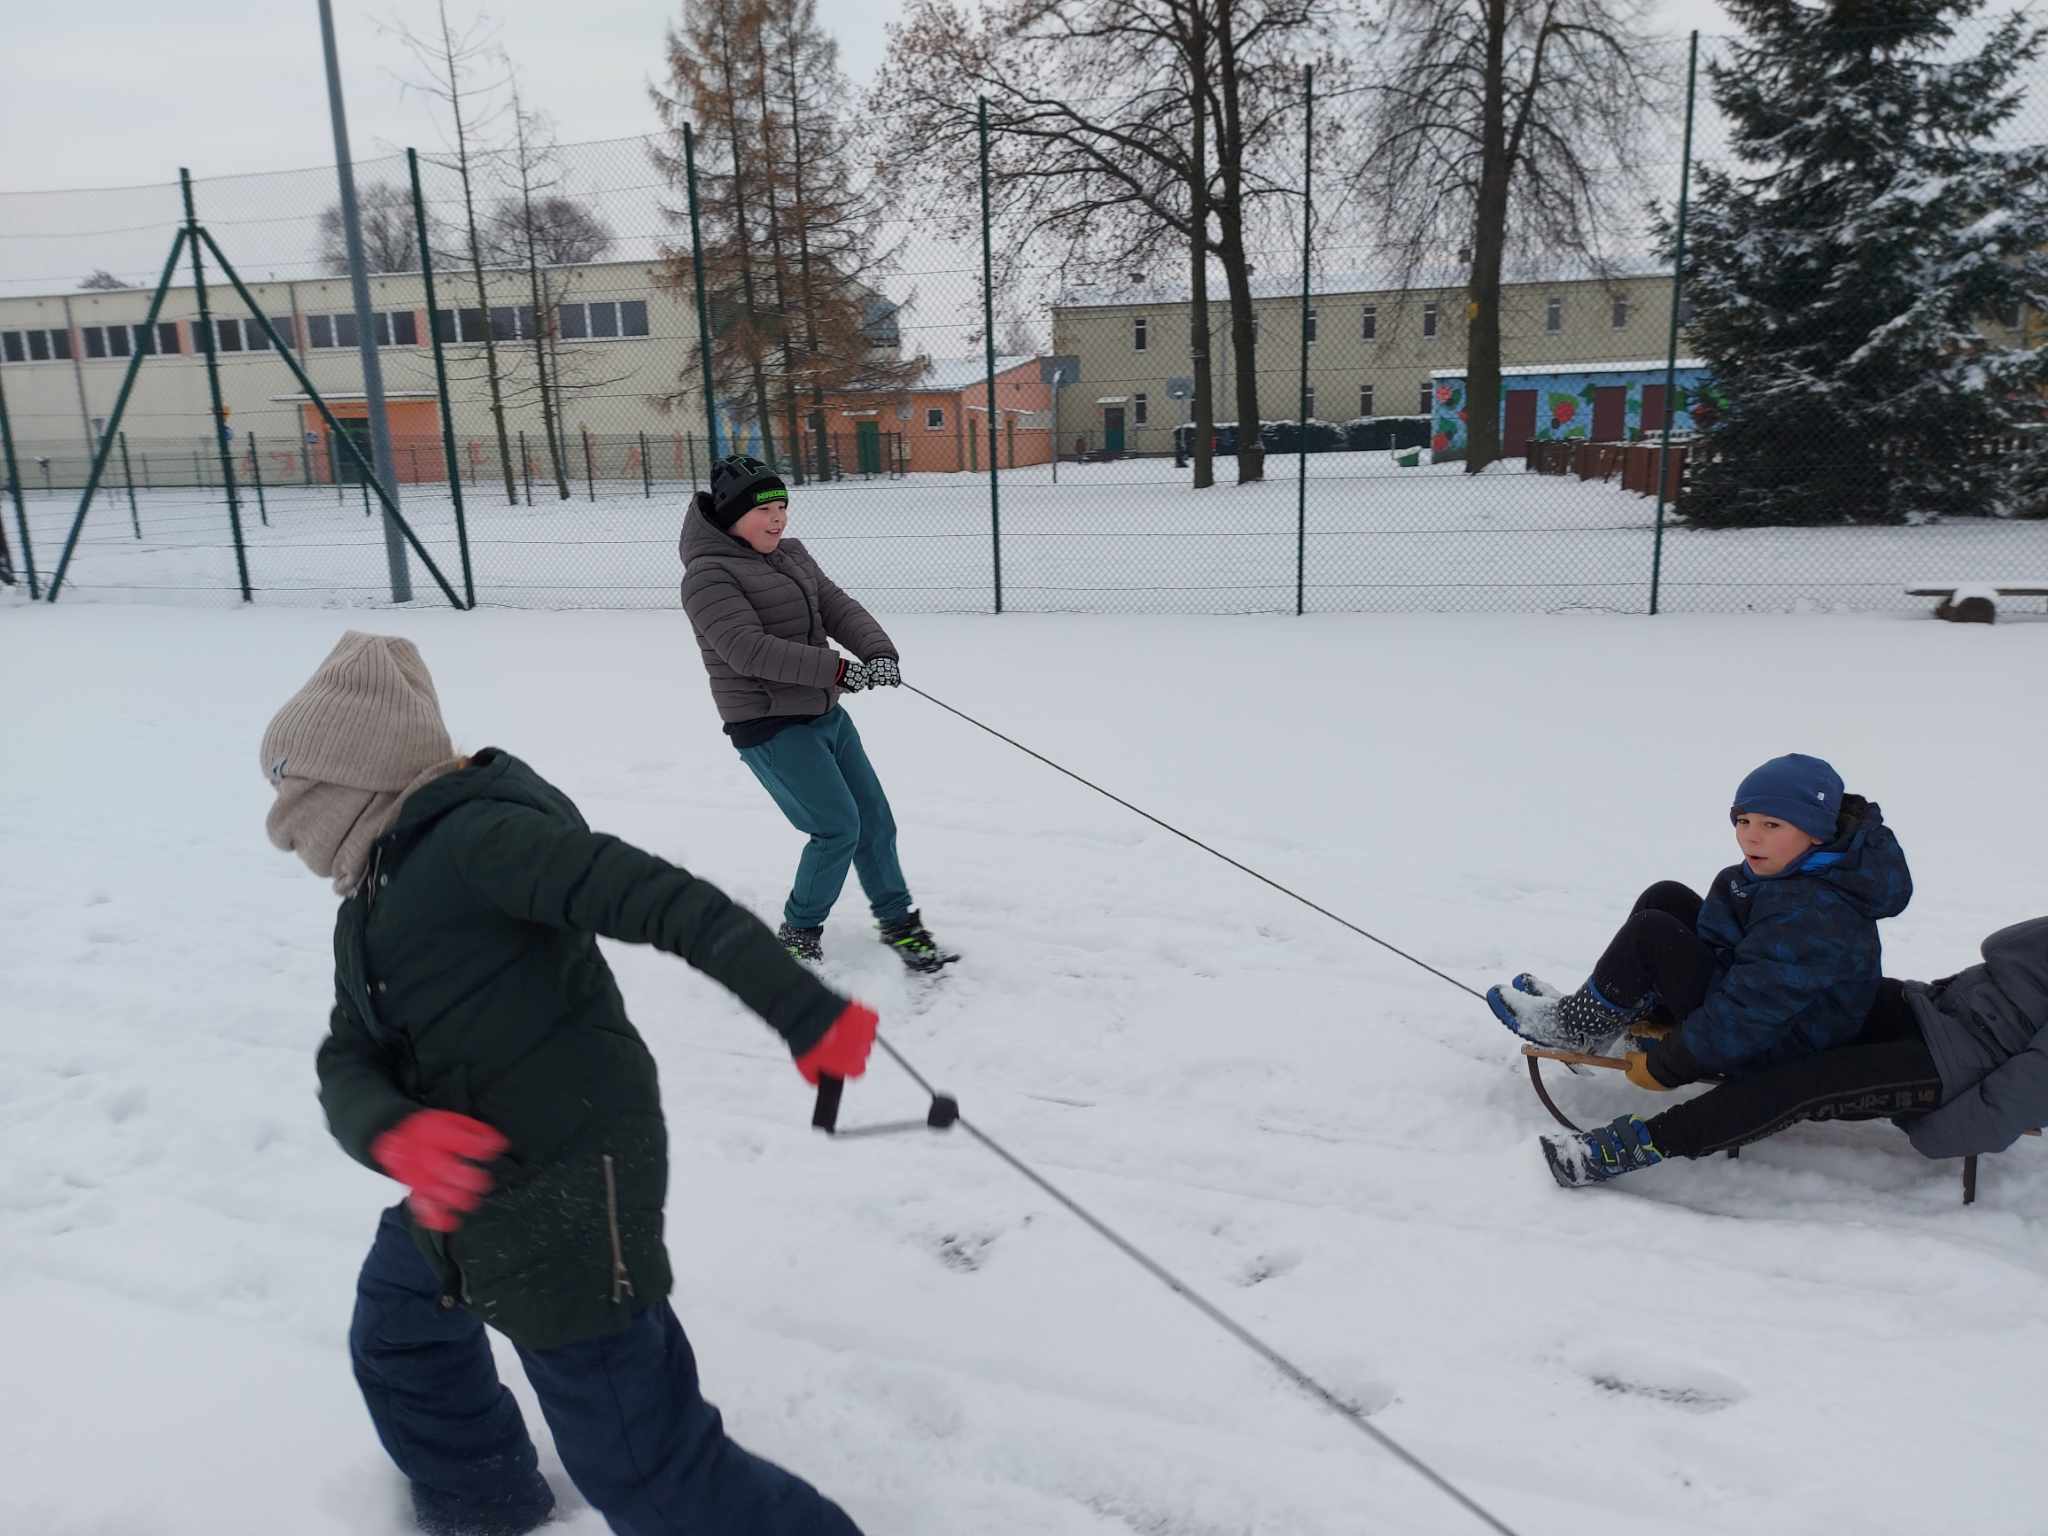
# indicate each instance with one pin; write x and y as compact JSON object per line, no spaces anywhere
{"x":434,"y":1153}
{"x":842,"y":1051}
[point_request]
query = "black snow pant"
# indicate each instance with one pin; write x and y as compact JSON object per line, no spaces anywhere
{"x":1885,"y":1072}
{"x":1658,"y":952}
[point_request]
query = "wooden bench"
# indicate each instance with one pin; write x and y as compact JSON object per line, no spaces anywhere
{"x":1536,"y":1055}
{"x":1974,"y":602}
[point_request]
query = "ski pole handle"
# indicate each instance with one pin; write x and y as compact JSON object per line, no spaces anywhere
{"x":825,"y":1111}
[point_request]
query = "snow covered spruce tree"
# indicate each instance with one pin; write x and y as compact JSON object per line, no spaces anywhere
{"x":1847,"y":276}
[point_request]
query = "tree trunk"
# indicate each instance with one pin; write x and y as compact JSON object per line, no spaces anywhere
{"x":780,"y":261}
{"x":742,"y":238}
{"x":1251,"y":453}
{"x":476,"y":267}
{"x":1237,"y":277}
{"x":1198,"y":255}
{"x":1489,"y":238}
{"x":807,"y":291}
{"x":540,"y":313}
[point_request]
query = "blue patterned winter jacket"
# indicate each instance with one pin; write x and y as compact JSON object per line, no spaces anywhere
{"x":1799,"y":952}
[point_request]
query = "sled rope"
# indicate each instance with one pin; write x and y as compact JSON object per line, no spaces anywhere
{"x":1187,"y":837}
{"x":1349,"y":1412}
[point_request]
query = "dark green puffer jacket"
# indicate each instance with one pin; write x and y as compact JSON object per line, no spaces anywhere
{"x":468,"y":977}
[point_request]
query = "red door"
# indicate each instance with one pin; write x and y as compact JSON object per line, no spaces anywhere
{"x":1653,"y":409}
{"x":1610,"y":414}
{"x":1521,"y":422}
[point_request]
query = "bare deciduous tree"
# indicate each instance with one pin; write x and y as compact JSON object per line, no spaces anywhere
{"x":450,"y":62}
{"x":390,"y":240}
{"x":100,"y":280}
{"x":1500,"y":130}
{"x":1123,"y":133}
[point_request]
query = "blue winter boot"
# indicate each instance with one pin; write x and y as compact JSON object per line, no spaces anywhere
{"x":1605,"y":1152}
{"x":1572,"y":1021}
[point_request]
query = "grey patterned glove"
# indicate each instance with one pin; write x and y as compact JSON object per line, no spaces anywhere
{"x":853,"y":676}
{"x":884,"y":673}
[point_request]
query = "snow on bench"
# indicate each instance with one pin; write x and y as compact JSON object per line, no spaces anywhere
{"x":1974,"y":602}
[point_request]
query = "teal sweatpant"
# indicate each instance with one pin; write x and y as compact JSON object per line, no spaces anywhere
{"x":820,"y":776}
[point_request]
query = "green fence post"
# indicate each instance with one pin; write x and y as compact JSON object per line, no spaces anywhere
{"x":362,"y":464}
{"x":220,"y":414}
{"x":526,"y":466}
{"x":703,"y":312}
{"x":28,"y":554}
{"x":1671,"y":356}
{"x":419,"y":214}
{"x":128,"y":474}
{"x":693,"y":458}
{"x":589,"y":472}
{"x":156,"y":304}
{"x":1308,"y":149}
{"x":646,"y":474}
{"x":256,"y":478}
{"x":988,"y":329}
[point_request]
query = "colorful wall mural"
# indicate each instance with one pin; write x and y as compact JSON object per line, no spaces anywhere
{"x":1564,"y":404}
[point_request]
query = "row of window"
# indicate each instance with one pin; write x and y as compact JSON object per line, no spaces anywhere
{"x":1369,"y":321}
{"x":601,"y":320}
{"x":1141,"y":406}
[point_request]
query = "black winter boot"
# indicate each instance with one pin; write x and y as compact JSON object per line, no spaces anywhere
{"x":805,"y":943}
{"x":914,"y":945}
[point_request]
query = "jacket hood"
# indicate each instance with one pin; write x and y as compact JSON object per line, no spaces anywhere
{"x":492,"y":774}
{"x":2017,"y":960}
{"x":1864,"y":862}
{"x":701,"y":537}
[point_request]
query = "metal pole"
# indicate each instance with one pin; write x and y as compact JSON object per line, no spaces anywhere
{"x":1671,"y":355}
{"x":646,"y":474}
{"x":128,"y":473}
{"x":365,"y":483}
{"x":1308,"y":151}
{"x":693,"y":458}
{"x":589,"y":474}
{"x":526,"y":466}
{"x":419,"y":214}
{"x":366,"y":334}
{"x":1058,"y":373}
{"x":988,"y":337}
{"x":28,"y":554}
{"x":220,"y":415}
{"x":703,"y":312}
{"x":256,"y":474}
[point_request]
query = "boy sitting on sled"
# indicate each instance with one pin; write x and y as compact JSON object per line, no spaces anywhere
{"x":1760,"y":982}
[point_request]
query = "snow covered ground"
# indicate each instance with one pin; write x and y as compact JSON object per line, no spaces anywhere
{"x":1335,"y":1147}
{"x":1108,"y":538}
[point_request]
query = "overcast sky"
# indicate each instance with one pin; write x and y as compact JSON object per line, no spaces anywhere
{"x":126,"y":91}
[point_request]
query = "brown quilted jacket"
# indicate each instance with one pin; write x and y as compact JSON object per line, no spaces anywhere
{"x":763,"y":623}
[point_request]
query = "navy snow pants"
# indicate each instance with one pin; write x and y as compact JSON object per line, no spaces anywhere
{"x":633,"y":1431}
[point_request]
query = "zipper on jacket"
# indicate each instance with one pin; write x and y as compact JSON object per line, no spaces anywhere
{"x":622,"y":1283}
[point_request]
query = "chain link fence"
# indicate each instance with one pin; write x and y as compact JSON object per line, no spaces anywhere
{"x":551,"y":449}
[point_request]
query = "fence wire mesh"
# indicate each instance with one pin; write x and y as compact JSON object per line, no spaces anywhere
{"x":849,"y":346}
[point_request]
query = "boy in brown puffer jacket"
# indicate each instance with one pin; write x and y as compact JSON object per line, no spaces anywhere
{"x":764,"y":613}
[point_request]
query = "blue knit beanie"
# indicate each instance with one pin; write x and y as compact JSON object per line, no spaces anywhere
{"x":1794,"y":788}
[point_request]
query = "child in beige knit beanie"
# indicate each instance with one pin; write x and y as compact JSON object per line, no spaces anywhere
{"x":346,"y":750}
